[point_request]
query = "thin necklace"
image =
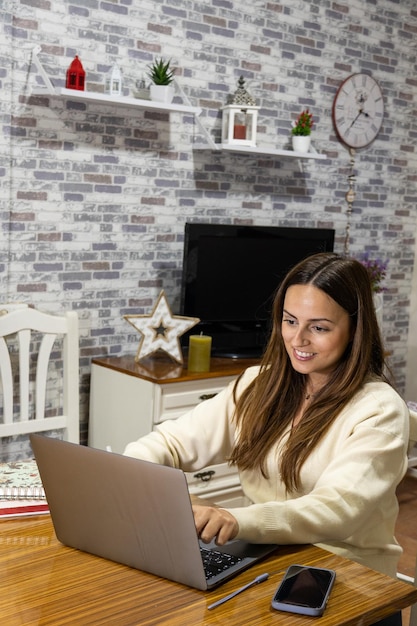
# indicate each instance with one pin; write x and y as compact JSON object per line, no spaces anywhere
{"x":310,"y":395}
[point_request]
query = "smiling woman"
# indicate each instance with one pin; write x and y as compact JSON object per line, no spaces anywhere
{"x":316,"y":332}
{"x":317,"y":432}
{"x":326,"y":344}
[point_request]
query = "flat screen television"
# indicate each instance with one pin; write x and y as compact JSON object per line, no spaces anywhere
{"x":230,"y":275}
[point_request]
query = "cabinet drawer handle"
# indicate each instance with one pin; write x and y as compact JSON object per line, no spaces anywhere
{"x":205,"y":476}
{"x":207,"y":396}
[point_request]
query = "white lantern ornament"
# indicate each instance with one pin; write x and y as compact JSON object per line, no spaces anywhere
{"x":114,"y":81}
{"x":240,"y":118}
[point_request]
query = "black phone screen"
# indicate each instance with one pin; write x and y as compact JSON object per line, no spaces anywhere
{"x":304,"y":586}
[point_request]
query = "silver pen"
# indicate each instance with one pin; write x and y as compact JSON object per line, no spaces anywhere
{"x":256,"y":581}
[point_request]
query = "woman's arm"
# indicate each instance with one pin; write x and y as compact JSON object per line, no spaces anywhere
{"x":203,"y":436}
{"x":349,"y":481}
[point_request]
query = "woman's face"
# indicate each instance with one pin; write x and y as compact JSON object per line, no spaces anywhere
{"x":316,"y":331}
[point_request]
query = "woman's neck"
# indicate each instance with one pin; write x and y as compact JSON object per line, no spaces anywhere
{"x":313,"y":386}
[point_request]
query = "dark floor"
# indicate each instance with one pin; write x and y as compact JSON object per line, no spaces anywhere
{"x":406,"y":531}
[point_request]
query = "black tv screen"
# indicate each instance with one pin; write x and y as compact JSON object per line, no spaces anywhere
{"x":230,"y":275}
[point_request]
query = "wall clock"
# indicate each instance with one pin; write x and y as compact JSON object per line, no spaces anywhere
{"x":358,"y":110}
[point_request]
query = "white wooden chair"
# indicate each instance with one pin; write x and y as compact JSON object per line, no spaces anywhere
{"x":27,"y":365}
{"x":413,"y":611}
{"x":412,"y":450}
{"x":412,"y":471}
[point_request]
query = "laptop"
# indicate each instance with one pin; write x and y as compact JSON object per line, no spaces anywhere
{"x":133,"y":512}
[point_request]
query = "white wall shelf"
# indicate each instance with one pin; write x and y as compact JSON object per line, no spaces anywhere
{"x":101,"y":98}
{"x":135,"y":103}
{"x":313,"y":154}
{"x":92,"y":96}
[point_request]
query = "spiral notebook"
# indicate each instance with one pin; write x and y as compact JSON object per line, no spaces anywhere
{"x":21,"y":490}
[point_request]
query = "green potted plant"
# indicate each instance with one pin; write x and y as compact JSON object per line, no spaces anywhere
{"x":301,"y":131}
{"x":161,"y":76}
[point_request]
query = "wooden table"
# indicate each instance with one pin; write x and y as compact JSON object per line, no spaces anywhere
{"x":45,"y":583}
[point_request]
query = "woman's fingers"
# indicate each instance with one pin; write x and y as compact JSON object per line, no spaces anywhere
{"x":214,"y":523}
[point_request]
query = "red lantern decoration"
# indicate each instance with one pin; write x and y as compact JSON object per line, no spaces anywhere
{"x":75,"y":75}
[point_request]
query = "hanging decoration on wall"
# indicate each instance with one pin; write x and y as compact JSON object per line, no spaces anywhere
{"x":161,"y":330}
{"x":240,"y":118}
{"x":75,"y":78}
{"x":350,"y":199}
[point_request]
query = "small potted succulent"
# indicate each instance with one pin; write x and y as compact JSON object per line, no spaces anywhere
{"x":161,"y":75}
{"x":301,"y":131}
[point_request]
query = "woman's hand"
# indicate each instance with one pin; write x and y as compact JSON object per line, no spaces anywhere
{"x":214,"y":523}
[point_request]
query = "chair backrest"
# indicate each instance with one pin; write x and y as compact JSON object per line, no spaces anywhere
{"x":412,"y":448}
{"x":412,"y":407}
{"x":27,"y":365}
{"x":412,"y":471}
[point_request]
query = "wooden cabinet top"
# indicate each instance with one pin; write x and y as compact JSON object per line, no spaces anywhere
{"x":161,"y":369}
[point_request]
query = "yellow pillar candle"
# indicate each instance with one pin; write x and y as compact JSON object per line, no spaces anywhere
{"x":199,"y":351}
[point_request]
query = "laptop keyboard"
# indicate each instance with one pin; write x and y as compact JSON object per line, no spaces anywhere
{"x":216,"y":562}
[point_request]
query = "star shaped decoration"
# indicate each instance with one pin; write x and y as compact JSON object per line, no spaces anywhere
{"x":161,"y":330}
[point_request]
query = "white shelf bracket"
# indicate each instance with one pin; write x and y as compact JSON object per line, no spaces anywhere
{"x":49,"y":86}
{"x":201,"y":126}
{"x":208,"y":137}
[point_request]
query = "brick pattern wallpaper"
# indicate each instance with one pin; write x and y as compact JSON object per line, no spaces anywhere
{"x":94,"y":197}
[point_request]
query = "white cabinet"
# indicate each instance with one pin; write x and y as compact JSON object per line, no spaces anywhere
{"x":128,"y":399}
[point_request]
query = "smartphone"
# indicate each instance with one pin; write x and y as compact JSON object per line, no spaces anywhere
{"x":304,"y":590}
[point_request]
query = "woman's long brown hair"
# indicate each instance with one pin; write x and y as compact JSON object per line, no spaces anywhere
{"x":265,"y":409}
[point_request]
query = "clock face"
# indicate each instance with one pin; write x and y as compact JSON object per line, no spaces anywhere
{"x":358,"y":110}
